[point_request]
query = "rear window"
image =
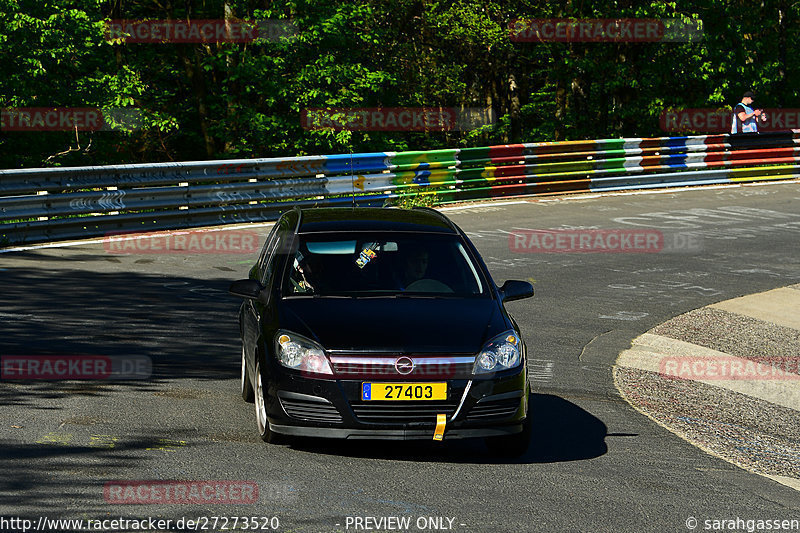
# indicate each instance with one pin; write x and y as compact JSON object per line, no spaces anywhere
{"x":362,"y":264}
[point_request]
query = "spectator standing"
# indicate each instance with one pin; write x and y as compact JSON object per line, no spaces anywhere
{"x":745,"y":119}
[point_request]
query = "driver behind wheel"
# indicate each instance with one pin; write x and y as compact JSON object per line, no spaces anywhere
{"x":415,"y":266}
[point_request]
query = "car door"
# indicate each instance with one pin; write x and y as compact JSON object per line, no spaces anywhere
{"x":250,"y":313}
{"x":261,"y":316}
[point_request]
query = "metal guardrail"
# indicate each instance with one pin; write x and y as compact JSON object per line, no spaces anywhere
{"x":46,"y":204}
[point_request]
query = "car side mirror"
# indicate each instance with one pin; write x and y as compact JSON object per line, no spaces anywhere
{"x":246,"y":288}
{"x":515,"y":290}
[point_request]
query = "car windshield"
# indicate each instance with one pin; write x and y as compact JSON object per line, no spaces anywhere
{"x":364,"y":264}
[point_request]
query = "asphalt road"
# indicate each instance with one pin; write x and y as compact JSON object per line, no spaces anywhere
{"x":595,"y":465}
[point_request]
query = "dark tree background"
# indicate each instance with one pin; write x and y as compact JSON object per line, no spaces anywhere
{"x":226,"y":100}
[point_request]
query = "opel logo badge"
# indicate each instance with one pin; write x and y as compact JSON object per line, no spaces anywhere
{"x":404,"y":365}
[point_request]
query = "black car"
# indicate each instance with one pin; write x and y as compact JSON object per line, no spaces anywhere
{"x":381,"y":323}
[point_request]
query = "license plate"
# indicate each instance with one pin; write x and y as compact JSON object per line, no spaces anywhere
{"x":403,"y":391}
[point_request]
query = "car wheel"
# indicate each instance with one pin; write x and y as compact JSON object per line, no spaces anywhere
{"x":512,"y":446}
{"x":261,"y":413}
{"x":247,"y":387}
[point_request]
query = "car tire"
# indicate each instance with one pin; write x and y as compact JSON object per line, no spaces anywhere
{"x":512,"y":446}
{"x":247,"y":387}
{"x":262,"y":422}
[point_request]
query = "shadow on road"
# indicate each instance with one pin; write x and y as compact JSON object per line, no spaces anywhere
{"x":53,"y":473}
{"x":563,"y":431}
{"x":187,"y":327}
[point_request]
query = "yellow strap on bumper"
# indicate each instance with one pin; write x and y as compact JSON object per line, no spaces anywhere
{"x":441,"y":421}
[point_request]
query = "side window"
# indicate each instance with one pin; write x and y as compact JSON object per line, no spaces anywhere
{"x":269,"y":261}
{"x":269,"y":244}
{"x":278,"y":246}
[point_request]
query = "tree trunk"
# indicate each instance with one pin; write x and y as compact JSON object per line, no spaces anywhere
{"x":782,"y":89}
{"x":514,"y":108}
{"x":233,"y":89}
{"x":561,"y":109}
{"x":194,"y":73}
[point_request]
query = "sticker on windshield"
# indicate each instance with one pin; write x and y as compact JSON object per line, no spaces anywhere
{"x":367,"y":254}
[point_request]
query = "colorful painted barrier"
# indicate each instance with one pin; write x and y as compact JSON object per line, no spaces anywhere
{"x":65,"y":203}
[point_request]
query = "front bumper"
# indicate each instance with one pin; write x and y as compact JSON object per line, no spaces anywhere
{"x":392,"y":434}
{"x":485,"y":407}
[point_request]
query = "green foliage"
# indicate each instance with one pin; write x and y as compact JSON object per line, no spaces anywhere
{"x":238,"y":100}
{"x":417,"y":199}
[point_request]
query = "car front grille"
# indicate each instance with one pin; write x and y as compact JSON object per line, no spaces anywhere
{"x":405,"y":412}
{"x":311,"y":408}
{"x":493,"y":409}
{"x":425,"y":368}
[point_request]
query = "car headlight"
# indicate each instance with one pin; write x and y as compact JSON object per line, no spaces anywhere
{"x":299,"y":353}
{"x":501,"y":353}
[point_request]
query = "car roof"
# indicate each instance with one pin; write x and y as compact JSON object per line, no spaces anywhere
{"x":340,"y":219}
